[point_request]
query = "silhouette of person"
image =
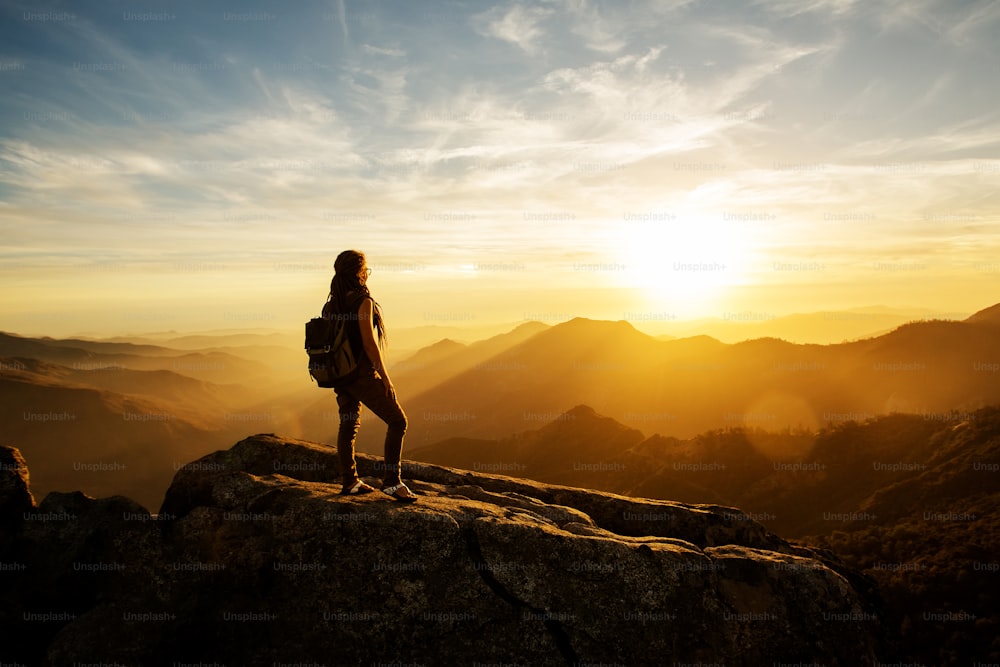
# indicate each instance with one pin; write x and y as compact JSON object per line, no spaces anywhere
{"x":350,"y":299}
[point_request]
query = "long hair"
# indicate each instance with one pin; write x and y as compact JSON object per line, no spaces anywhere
{"x":346,"y":290}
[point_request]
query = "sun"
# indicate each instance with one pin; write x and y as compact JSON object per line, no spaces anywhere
{"x":687,"y":261}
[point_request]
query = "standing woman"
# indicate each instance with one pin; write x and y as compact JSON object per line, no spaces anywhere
{"x":350,"y":299}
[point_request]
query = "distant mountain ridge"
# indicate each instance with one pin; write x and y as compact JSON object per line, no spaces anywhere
{"x":989,"y":315}
{"x":436,"y":363}
{"x":118,"y":417}
{"x":82,"y":355}
{"x":685,"y":386}
{"x":82,"y":437}
{"x":816,"y":328}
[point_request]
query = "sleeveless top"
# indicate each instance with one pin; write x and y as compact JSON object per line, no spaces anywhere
{"x":350,"y":317}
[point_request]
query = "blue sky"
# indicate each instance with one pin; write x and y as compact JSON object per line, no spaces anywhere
{"x":494,"y":158}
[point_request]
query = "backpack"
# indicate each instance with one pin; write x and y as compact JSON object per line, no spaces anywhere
{"x":332,"y":361}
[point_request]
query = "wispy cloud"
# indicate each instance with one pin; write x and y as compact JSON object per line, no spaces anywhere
{"x":517,"y":24}
{"x":383,"y":51}
{"x":792,"y":8}
{"x":342,"y":19}
{"x":601,"y":32}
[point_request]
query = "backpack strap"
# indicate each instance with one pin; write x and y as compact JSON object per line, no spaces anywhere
{"x":330,"y":307}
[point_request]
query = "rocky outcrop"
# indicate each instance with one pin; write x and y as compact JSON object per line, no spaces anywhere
{"x":256,"y":559}
{"x":15,"y":495}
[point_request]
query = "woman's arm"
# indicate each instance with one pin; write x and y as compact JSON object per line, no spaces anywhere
{"x":368,"y":340}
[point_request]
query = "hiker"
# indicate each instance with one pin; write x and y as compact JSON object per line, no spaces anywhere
{"x":350,"y":299}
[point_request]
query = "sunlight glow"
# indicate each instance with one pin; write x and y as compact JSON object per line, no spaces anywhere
{"x":684,"y":260}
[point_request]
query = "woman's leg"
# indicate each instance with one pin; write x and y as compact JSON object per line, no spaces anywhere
{"x":349,"y":409}
{"x":371,"y":392}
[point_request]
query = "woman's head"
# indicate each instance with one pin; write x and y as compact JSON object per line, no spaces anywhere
{"x":349,"y":282}
{"x":351,"y":268}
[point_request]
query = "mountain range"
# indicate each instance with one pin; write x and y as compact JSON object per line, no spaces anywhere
{"x":113,"y":417}
{"x":682,"y":387}
{"x":237,"y":384}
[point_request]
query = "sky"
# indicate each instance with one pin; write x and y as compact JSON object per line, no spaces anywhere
{"x":195,"y":166}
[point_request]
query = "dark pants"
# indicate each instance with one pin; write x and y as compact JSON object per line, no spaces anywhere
{"x":370,"y":391}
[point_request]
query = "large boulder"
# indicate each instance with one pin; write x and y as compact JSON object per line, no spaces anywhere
{"x":256,"y":559}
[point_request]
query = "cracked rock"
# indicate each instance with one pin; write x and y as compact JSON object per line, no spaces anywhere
{"x":251,"y":566}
